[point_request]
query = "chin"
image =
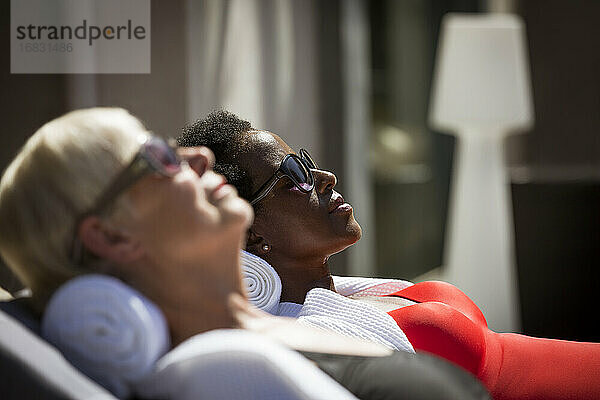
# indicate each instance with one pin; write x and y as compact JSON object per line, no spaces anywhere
{"x":353,"y":229}
{"x":351,"y":235}
{"x":354,"y":235}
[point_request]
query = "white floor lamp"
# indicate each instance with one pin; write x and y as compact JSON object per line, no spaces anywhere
{"x":481,"y":93}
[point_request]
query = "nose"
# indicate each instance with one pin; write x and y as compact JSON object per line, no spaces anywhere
{"x":324,"y":180}
{"x":200,"y":159}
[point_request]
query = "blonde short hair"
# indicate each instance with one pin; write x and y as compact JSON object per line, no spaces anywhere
{"x":57,"y":176}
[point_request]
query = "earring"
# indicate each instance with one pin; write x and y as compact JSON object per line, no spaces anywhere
{"x":266,"y":247}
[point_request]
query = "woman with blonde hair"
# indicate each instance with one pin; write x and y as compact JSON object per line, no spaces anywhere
{"x":94,"y":192}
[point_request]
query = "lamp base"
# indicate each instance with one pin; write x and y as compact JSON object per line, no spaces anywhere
{"x":480,"y":253}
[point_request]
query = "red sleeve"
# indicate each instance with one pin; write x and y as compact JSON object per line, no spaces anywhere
{"x":534,"y":368}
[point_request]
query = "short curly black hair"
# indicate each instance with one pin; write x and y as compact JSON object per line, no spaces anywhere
{"x":223,"y":133}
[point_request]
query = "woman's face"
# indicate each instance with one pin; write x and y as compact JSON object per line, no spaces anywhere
{"x":293,"y":223}
{"x":191,"y":214}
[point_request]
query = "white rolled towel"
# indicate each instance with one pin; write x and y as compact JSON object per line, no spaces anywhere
{"x":108,"y":330}
{"x":263,"y":285}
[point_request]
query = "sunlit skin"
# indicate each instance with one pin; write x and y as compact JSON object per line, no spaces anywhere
{"x":301,"y":229}
{"x":149,"y":250}
{"x":197,"y":283}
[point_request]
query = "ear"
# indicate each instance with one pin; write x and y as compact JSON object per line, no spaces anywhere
{"x":255,"y":243}
{"x":108,"y":242}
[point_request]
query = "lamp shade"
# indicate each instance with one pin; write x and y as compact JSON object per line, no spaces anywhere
{"x":481,"y":81}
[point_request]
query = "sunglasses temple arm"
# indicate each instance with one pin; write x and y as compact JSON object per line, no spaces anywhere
{"x":132,"y":173}
{"x":266,"y":188}
{"x":137,"y":168}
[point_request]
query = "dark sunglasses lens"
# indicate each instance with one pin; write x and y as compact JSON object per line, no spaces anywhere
{"x":164,"y":155}
{"x":299,"y":173}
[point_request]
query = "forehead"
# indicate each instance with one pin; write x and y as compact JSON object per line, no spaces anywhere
{"x":265,"y":152}
{"x":268,"y":144}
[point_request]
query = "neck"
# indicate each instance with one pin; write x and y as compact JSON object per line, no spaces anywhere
{"x":300,"y":275}
{"x":194,"y":296}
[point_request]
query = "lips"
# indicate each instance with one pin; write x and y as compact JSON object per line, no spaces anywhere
{"x":220,"y":185}
{"x":219,"y":190}
{"x":335,"y":203}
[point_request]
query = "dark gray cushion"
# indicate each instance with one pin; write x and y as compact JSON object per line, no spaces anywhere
{"x":30,"y":368}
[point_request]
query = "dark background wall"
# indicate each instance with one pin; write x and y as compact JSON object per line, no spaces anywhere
{"x":564,"y":38}
{"x":557,"y":199}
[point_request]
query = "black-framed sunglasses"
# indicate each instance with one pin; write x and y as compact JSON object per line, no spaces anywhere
{"x":155,"y":155}
{"x":296,"y":168}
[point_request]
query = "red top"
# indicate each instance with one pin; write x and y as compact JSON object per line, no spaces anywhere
{"x":447,"y":323}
